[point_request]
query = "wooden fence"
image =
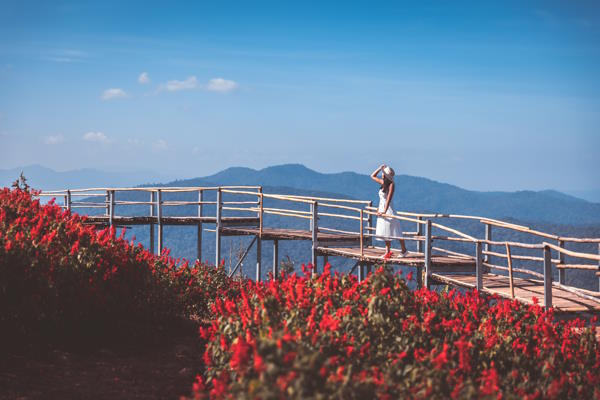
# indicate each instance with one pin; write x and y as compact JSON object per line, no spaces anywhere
{"x":240,"y":210}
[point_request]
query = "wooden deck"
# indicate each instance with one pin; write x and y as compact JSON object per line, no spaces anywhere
{"x":374,"y":255}
{"x":290,"y":234}
{"x":525,"y":291}
{"x":171,"y":220}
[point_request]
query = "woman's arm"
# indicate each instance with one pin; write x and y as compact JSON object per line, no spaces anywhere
{"x":389,"y":197}
{"x":375,"y":177}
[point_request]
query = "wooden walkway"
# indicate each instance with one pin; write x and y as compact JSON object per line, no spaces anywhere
{"x":290,"y":234}
{"x":374,"y":255}
{"x":525,"y":291}
{"x":170,"y":220}
{"x":344,"y":228}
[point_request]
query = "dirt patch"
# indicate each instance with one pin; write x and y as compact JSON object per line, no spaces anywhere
{"x":149,"y":371}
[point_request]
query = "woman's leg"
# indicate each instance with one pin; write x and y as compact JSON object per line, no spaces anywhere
{"x":403,"y":245}
{"x":388,"y":245}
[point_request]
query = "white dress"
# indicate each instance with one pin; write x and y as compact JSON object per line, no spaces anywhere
{"x":387,"y":228}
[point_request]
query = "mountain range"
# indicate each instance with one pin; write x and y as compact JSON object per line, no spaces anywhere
{"x":412,"y":193}
{"x":418,"y":194}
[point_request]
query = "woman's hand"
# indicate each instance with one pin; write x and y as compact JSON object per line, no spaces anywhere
{"x":375,"y":177}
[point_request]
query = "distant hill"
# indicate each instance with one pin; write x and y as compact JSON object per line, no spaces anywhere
{"x":44,"y":178}
{"x":418,"y":194}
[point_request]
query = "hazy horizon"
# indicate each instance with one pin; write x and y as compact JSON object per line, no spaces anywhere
{"x":150,"y":176}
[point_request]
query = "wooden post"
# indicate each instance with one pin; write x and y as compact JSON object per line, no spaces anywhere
{"x":488,"y":236}
{"x":314,"y":229}
{"x":599,"y":268}
{"x":260,"y":212}
{"x":362,"y":249}
{"x":152,"y":214}
{"x":427,"y":260}
{"x":420,"y":244}
{"x":199,"y":237}
{"x":107,"y":202}
{"x":68,"y":200}
{"x":547,"y":277}
{"x":419,"y":233}
{"x":561,"y":257}
{"x":510,"y":271}
{"x":160,"y":224}
{"x":479,"y":265}
{"x":361,"y":272}
{"x":259,"y":238}
{"x":370,"y":225}
{"x":111,"y":215}
{"x":218,"y":229}
{"x":275,"y":258}
{"x":258,"y":257}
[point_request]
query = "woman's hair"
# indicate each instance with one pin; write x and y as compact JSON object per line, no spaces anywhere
{"x":386,"y":184}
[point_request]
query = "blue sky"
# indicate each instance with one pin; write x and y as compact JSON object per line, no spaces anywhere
{"x":488,"y":96}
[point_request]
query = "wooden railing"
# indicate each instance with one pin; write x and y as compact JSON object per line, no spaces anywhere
{"x":250,"y":200}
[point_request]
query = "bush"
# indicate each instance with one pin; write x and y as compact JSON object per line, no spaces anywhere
{"x":332,"y":337}
{"x":57,"y":273}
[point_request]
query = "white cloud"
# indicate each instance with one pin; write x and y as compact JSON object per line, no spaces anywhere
{"x":221,"y":85}
{"x":113,"y":93}
{"x":160,"y":145}
{"x":57,"y":139}
{"x":65,"y":55}
{"x":135,"y":142}
{"x":144,"y":78}
{"x":175,"y":85}
{"x":97,"y":137}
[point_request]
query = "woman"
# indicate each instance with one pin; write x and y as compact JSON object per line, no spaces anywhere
{"x":387,"y":228}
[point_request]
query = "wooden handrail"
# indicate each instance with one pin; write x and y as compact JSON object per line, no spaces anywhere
{"x":517,"y":256}
{"x":520,"y":228}
{"x":572,"y":253}
{"x":519,"y":270}
{"x":350,"y":201}
{"x":456,"y":232}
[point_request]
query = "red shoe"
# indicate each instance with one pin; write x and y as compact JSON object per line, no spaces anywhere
{"x":388,"y":255}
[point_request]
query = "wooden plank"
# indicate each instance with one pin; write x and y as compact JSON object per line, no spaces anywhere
{"x":525,"y":290}
{"x":590,"y":267}
{"x":572,"y":253}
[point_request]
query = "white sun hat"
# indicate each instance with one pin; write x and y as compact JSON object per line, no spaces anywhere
{"x":388,"y":172}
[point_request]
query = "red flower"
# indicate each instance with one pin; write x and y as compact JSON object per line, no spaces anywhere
{"x":240,"y":354}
